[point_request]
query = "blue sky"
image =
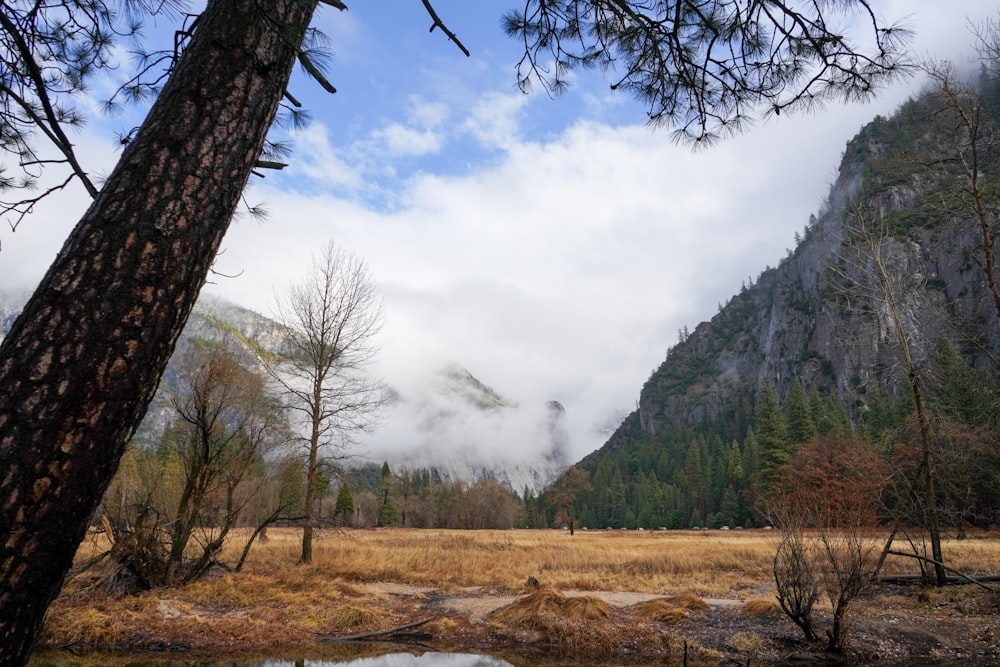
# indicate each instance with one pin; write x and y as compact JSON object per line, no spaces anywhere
{"x":554,"y":247}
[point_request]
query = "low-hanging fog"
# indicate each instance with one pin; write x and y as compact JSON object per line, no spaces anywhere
{"x":455,"y":423}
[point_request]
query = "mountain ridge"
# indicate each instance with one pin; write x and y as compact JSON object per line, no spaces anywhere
{"x":824,"y":322}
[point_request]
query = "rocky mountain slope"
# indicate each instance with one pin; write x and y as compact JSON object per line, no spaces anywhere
{"x":821,"y":315}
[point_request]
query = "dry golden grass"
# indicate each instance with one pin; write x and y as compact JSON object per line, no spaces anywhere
{"x":762,"y":606}
{"x":568,"y":623}
{"x":710,"y":564}
{"x":586,"y":607}
{"x":659,"y":609}
{"x":706,"y":563}
{"x":686,"y":601}
{"x":542,"y":603}
{"x":547,"y":602}
{"x":275,"y":601}
{"x":749,"y":644}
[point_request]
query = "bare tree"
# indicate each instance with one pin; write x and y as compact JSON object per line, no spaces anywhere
{"x":874,"y":271}
{"x":172,"y":510}
{"x":490,"y":504}
{"x":795,"y":578}
{"x":331,"y":320}
{"x":824,"y":503}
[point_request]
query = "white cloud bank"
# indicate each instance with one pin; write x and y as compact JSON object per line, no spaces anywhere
{"x":564,"y":270}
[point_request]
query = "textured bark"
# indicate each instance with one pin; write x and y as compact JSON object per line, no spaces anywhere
{"x":82,"y":362}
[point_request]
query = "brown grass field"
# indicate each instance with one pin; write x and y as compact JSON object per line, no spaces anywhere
{"x":654,"y":594}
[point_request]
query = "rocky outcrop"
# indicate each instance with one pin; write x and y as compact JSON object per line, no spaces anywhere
{"x":821,"y":315}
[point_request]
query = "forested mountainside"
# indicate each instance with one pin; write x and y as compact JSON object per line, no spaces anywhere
{"x":896,"y":254}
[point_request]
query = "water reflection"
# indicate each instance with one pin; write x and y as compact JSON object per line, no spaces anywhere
{"x":427,"y":659}
{"x":397,"y":660}
{"x":422,"y":659}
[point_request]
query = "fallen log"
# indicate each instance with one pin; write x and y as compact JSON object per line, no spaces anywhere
{"x":391,"y":633}
{"x":951,"y":579}
{"x":956,"y":577}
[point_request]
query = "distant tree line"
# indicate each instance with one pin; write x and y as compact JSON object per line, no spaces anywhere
{"x":423,"y":498}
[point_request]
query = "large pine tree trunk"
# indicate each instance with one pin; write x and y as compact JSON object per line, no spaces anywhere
{"x":82,"y":362}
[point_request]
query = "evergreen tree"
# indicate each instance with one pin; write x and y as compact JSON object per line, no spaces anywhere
{"x":616,"y":501}
{"x":798,"y":416}
{"x":388,"y":515}
{"x":735,"y":474}
{"x":751,"y":456}
{"x":530,"y":508}
{"x":829,"y":414}
{"x":344,"y":506}
{"x":718,"y":463}
{"x":962,"y":393}
{"x":884,"y":414}
{"x":772,"y":437}
{"x":694,"y":475}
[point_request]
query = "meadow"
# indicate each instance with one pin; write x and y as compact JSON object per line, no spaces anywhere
{"x":710,"y":563}
{"x":368,"y":580}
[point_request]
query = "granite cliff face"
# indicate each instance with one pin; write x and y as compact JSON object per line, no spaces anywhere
{"x":821,"y":315}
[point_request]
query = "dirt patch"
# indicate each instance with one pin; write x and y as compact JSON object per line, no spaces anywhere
{"x":477,"y":603}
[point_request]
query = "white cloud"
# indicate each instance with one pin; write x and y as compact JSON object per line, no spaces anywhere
{"x":494,"y":120}
{"x":400,"y":141}
{"x":325,"y":166}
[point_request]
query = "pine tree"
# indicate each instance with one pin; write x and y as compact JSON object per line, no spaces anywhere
{"x":751,"y":456}
{"x":829,"y":414}
{"x":388,"y":515}
{"x":735,"y":474}
{"x":344,"y":506}
{"x":772,"y":437}
{"x":961,"y":393}
{"x":798,"y":416}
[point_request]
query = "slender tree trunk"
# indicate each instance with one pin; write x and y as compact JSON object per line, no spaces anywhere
{"x":312,"y":471}
{"x":310,"y":502}
{"x":187,"y":518}
{"x":923,"y":418}
{"x":82,"y":362}
{"x":933,"y":523}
